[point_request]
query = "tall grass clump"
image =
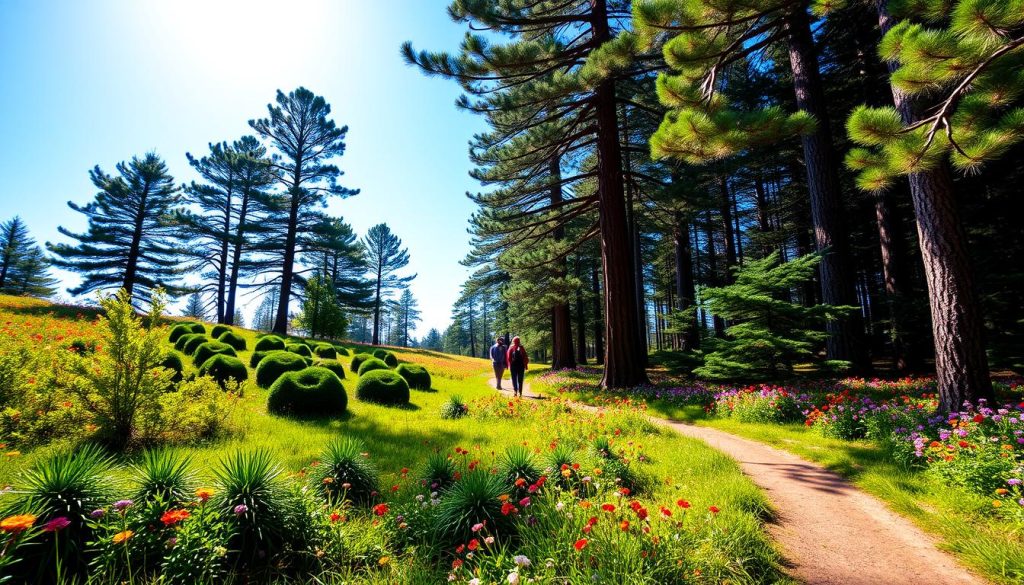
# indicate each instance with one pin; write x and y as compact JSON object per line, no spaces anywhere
{"x":345,"y":472}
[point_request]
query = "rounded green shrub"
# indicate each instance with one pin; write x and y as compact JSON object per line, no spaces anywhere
{"x":358,"y":359}
{"x":269,"y":343}
{"x":334,"y":366}
{"x":210,"y":349}
{"x":308,"y":392}
{"x":198,"y":328}
{"x":223,"y":367}
{"x":233,"y":339}
{"x":257,"y":357}
{"x":383,"y":387}
{"x":184,"y":339}
{"x":417,"y":376}
{"x":177,"y":331}
{"x":219,"y":330}
{"x":342,"y":350}
{"x":276,"y":363}
{"x":325,"y":350}
{"x":386,"y":356}
{"x":172,"y":361}
{"x":193,"y":344}
{"x":371,"y":365}
{"x":299,"y":348}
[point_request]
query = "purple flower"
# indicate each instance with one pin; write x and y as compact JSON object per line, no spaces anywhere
{"x":241,"y":509}
{"x":56,"y":524}
{"x":120,"y":505}
{"x":1013,"y":481}
{"x":97,"y":513}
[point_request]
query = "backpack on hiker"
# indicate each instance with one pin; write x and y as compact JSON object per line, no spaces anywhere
{"x":517,"y":360}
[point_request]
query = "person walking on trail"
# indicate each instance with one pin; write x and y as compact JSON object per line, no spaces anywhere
{"x":518,"y":363}
{"x":499,"y":361}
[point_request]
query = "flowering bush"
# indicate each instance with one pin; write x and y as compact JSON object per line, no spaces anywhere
{"x":764,"y":404}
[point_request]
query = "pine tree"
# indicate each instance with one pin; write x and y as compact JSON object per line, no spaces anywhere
{"x":705,"y":126}
{"x":24,"y":269}
{"x":129,"y":243}
{"x":238,"y":320}
{"x":964,"y":68}
{"x":321,"y":316}
{"x":767,"y":334}
{"x":266,"y":312}
{"x":195,"y":308}
{"x":432,"y":340}
{"x":333,"y":248}
{"x":548,"y":93}
{"x":384,"y":256}
{"x":305,"y":140}
{"x":408,"y":315}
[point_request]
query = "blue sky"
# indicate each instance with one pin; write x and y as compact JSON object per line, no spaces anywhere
{"x":87,"y":83}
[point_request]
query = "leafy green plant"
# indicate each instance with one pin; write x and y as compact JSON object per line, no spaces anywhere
{"x":382,"y":387}
{"x":517,"y":463}
{"x":417,"y":376}
{"x":454,"y":407}
{"x":172,"y":361}
{"x":308,"y":392}
{"x":371,"y":365}
{"x":386,"y":356}
{"x":198,"y":328}
{"x":275,"y":364}
{"x":223,"y":368}
{"x":121,"y":383}
{"x":439,"y":471}
{"x":250,"y":492}
{"x":233,"y":339}
{"x":472,"y":500}
{"x":345,"y":472}
{"x":163,"y":475}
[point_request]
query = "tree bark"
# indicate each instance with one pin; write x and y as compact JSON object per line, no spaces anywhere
{"x":713,"y":278}
{"x":595,"y":285}
{"x":725,"y":207}
{"x":225,"y":245}
{"x":625,"y":362}
{"x":281,"y":320}
{"x":581,"y":322}
{"x":236,"y":258}
{"x":845,"y":336}
{"x":685,"y":290}
{"x":134,"y":248}
{"x":562,"y":355}
{"x":961,"y":366}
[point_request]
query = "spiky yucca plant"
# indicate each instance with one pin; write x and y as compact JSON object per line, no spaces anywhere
{"x":517,"y":462}
{"x":250,"y":491}
{"x":439,"y":471}
{"x":165,"y":475}
{"x":345,"y":472}
{"x":474,"y":499}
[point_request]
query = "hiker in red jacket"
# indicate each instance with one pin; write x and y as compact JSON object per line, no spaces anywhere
{"x":518,"y":362}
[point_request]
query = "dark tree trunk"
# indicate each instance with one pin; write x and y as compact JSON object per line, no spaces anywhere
{"x":281,"y":320}
{"x":685,"y":294}
{"x":225,"y":247}
{"x":725,"y":208}
{"x":595,"y":285}
{"x":764,"y":223}
{"x":713,"y":278}
{"x":894,"y":277}
{"x":134,"y":248}
{"x":845,"y":336}
{"x":562,"y":355}
{"x":581,"y":321}
{"x":625,"y":362}
{"x":961,"y":367}
{"x":236,"y":259}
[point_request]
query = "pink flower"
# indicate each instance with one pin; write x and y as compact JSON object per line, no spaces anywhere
{"x":56,"y":524}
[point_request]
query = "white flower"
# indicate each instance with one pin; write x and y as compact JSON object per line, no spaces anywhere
{"x":469,"y":555}
{"x":513,"y":578}
{"x":521,"y":560}
{"x":474,"y":581}
{"x":549,"y":563}
{"x":560,"y":506}
{"x":419,"y":497}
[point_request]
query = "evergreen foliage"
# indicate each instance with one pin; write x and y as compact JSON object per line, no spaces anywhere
{"x":129,"y":243}
{"x":767,"y":334}
{"x":321,"y":314}
{"x":385,"y":256}
{"x":24,"y":269}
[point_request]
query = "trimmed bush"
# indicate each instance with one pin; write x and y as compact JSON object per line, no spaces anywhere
{"x":193,"y":344}
{"x":276,"y":363}
{"x":198,"y":328}
{"x":257,"y":357}
{"x":342,"y":350}
{"x":269,"y":343}
{"x":177,"y":331}
{"x":308,"y":392}
{"x":387,"y":357}
{"x":223,"y":367}
{"x":180,"y":343}
{"x":172,"y":361}
{"x":219,"y":330}
{"x":383,"y":387}
{"x":210,"y":349}
{"x":371,"y":365}
{"x":299,"y":348}
{"x":233,"y":339}
{"x":358,"y":359}
{"x":417,"y":376}
{"x":325,"y":350}
{"x":334,"y":366}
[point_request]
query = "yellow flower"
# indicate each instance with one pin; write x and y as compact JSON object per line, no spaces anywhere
{"x":597,"y":471}
{"x":383,"y":561}
{"x":123,"y":536}
{"x":18,"y":523}
{"x":996,"y":503}
{"x":13,"y":453}
{"x":204,"y":494}
{"x":566,"y":472}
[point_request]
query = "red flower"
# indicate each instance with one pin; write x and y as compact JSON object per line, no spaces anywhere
{"x":714,"y":509}
{"x":964,"y":444}
{"x":172,"y":517}
{"x":608,"y":507}
{"x":624,"y":525}
{"x":508,"y":508}
{"x":474,"y":544}
{"x":580,"y":544}
{"x":380,"y":509}
{"x":456,"y":564}
{"x":978,"y":418}
{"x":335,"y":517}
{"x":459,"y":549}
{"x":394,"y":488}
{"x":666,"y":512}
{"x":642,"y":513}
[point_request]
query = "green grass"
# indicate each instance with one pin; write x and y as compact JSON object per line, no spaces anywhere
{"x":961,"y":520}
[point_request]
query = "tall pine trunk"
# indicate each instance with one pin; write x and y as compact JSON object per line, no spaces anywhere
{"x":625,"y":363}
{"x":685,"y":295}
{"x":725,"y":206}
{"x":281,"y":320}
{"x":132,"y":265}
{"x":961,"y":367}
{"x":225,"y":246}
{"x":845,"y":336}
{"x":562,"y":355}
{"x":595,"y":288}
{"x":236,"y":258}
{"x":581,"y":320}
{"x":713,"y":277}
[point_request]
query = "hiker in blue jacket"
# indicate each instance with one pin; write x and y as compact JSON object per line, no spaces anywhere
{"x":498,"y":360}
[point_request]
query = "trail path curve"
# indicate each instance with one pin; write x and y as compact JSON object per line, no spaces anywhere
{"x":830,"y":532}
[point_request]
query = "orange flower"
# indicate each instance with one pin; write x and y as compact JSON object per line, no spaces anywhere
{"x":172,"y":517}
{"x":204,"y":494}
{"x":624,"y":525}
{"x":123,"y":536}
{"x":17,"y":524}
{"x":580,"y":544}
